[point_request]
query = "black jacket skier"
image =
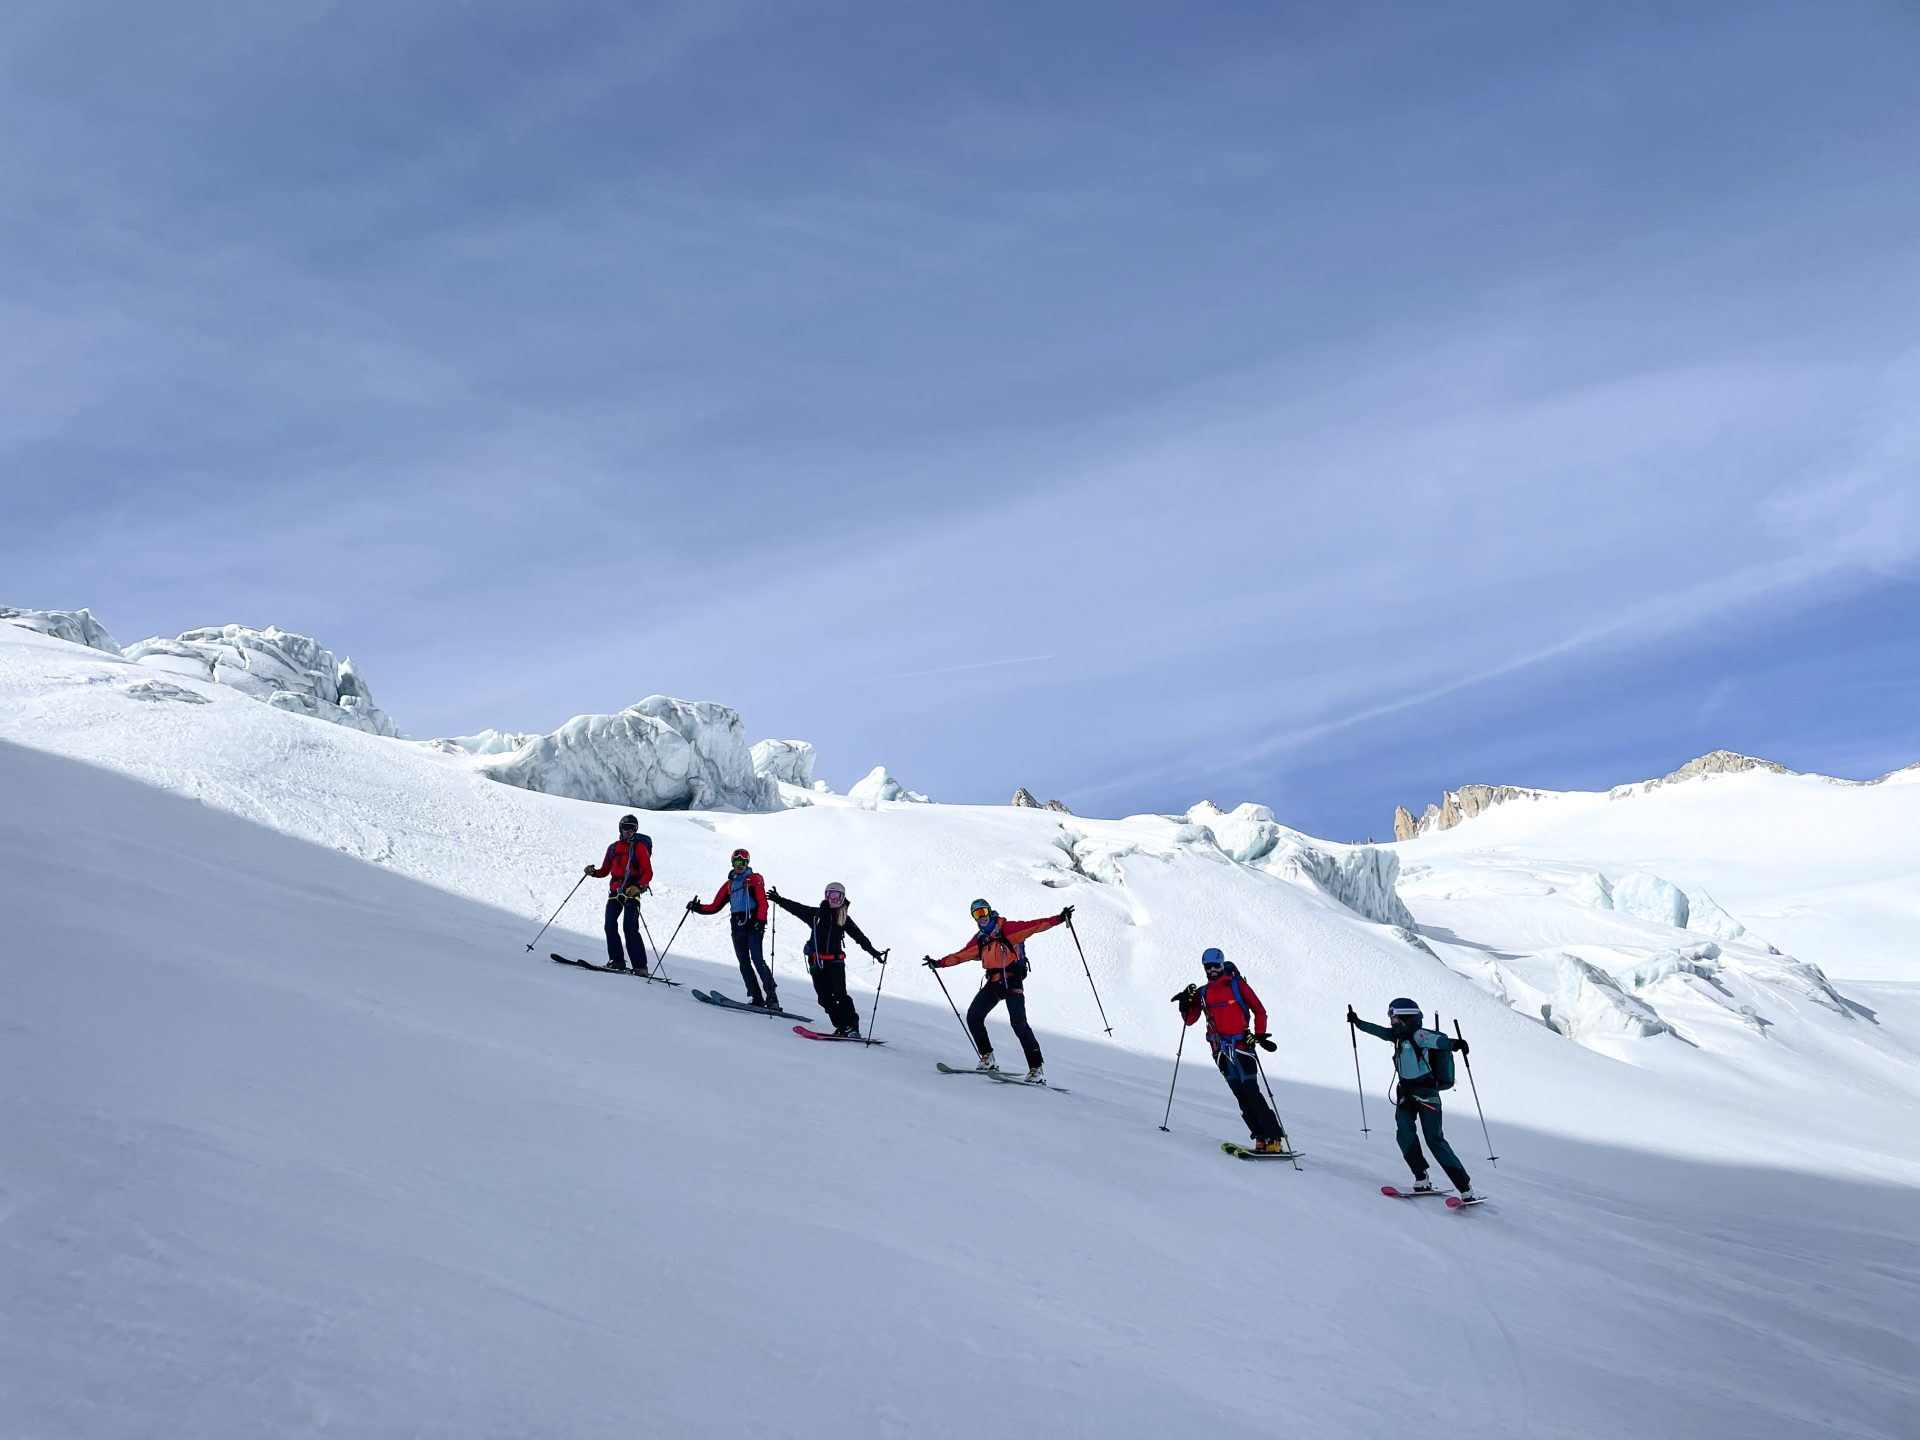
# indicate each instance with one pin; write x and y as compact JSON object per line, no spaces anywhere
{"x":828,"y":925}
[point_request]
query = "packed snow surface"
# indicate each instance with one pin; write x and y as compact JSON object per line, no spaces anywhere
{"x":302,"y":1139}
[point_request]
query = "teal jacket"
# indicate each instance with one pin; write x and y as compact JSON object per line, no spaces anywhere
{"x":1409,"y":1053}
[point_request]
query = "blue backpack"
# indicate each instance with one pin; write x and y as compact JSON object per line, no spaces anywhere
{"x":1439,"y":1060}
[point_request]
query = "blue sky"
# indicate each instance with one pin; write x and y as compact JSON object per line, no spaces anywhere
{"x":1306,"y":403}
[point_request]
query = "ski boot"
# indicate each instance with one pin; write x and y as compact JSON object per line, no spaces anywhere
{"x":987,"y":1062}
{"x":1424,"y":1186}
{"x":773,"y":1000}
{"x":1037,"y":1075}
{"x":618,"y":967}
{"x":1269,"y":1147}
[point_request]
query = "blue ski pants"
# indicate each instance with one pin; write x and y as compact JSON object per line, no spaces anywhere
{"x":753,"y":964}
{"x":624,"y":915}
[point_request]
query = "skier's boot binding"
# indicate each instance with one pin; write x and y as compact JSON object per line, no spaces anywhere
{"x":1269,"y":1147}
{"x":619,"y":967}
{"x":987,"y":1062}
{"x":1423,"y":1187}
{"x":1036,"y":1076}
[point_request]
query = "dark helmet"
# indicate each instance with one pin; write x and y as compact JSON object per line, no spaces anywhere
{"x":629,"y":822}
{"x":1404,"y":1014}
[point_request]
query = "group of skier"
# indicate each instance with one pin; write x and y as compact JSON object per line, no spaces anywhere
{"x":1236,"y":1021}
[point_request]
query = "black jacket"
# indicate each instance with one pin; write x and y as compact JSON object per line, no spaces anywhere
{"x":830,"y":929}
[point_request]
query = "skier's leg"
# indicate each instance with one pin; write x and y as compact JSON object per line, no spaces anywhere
{"x":822,"y":987}
{"x":636,"y":952}
{"x":741,"y":935}
{"x":1245,"y":1085}
{"x":846,"y":1015}
{"x":1403,"y":1131}
{"x":1430,"y":1122}
{"x":613,"y":931}
{"x":1017,"y":1017}
{"x":756,"y":946}
{"x":988,"y":996}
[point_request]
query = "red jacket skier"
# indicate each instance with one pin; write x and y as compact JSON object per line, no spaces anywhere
{"x":1229,"y":1004}
{"x":745,"y":895}
{"x":628,"y":866}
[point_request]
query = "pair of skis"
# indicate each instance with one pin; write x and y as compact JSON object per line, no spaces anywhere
{"x":1001,"y":1076}
{"x":609,"y":970}
{"x":1454,"y":1202}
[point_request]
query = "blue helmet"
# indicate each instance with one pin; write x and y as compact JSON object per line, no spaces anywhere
{"x":977,"y":906}
{"x":1214,"y":957}
{"x":1404,"y":1009}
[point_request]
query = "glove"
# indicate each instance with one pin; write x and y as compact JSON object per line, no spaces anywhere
{"x":880,"y":955}
{"x":774,"y":893}
{"x":1265,"y":1042}
{"x":692,"y":905}
{"x":1352,"y":1019}
{"x":931,"y":963}
{"x":1460,"y":1045}
{"x":590,"y":869}
{"x":1067,"y":914}
{"x":632,"y":892}
{"x":1187,"y":994}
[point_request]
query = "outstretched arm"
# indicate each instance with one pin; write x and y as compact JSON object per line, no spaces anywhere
{"x":808,"y":913}
{"x":857,"y":933}
{"x":1379,"y":1032}
{"x":719,"y":899}
{"x":966,"y":952}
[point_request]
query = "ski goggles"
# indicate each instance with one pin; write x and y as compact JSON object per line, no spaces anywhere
{"x":836,"y":896}
{"x":629,"y":825}
{"x":739,"y":862}
{"x":981,"y":912}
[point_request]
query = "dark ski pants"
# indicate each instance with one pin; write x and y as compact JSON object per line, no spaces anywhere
{"x":1242,"y":1075}
{"x":830,"y":989}
{"x":621,"y":910}
{"x":753,"y":964}
{"x":999,"y":988}
{"x":1424,"y":1110}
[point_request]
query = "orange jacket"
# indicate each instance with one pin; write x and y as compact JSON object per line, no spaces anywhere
{"x":999,"y":946}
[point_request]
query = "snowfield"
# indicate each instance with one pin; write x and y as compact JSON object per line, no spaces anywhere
{"x":301,"y":1139}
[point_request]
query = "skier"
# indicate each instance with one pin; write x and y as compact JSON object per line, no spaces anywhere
{"x":828,"y":925}
{"x":629,"y":861}
{"x":1001,"y":948}
{"x":745,"y":895}
{"x":1421,"y":1078}
{"x":1226,"y":1002}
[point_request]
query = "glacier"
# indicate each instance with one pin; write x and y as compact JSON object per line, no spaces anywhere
{"x":661,"y":754}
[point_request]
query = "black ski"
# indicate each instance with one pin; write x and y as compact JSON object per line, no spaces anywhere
{"x":609,"y":970}
{"x":714,"y":997}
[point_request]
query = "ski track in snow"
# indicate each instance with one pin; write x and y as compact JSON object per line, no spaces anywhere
{"x":303,"y":1140}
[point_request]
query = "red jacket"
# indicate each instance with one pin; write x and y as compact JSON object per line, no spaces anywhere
{"x":723,"y":897}
{"x":1226,"y":1016}
{"x":1000,"y":947}
{"x":629,"y":863}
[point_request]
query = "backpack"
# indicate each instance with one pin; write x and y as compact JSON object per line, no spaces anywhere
{"x":1439,"y":1062}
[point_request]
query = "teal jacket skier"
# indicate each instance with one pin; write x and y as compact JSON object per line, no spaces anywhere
{"x":1423,"y":1067}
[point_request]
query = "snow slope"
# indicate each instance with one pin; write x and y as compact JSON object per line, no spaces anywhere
{"x":303,"y":1140}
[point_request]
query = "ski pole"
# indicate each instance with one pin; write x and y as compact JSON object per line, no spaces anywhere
{"x":1285,"y":1139}
{"x":556,"y":914}
{"x":876,"y":994}
{"x":660,"y":963}
{"x":649,"y":933}
{"x":1358,"y":1084}
{"x":1492,"y":1159}
{"x":950,"y":1005}
{"x":1089,"y":969}
{"x":1176,"y":1077}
